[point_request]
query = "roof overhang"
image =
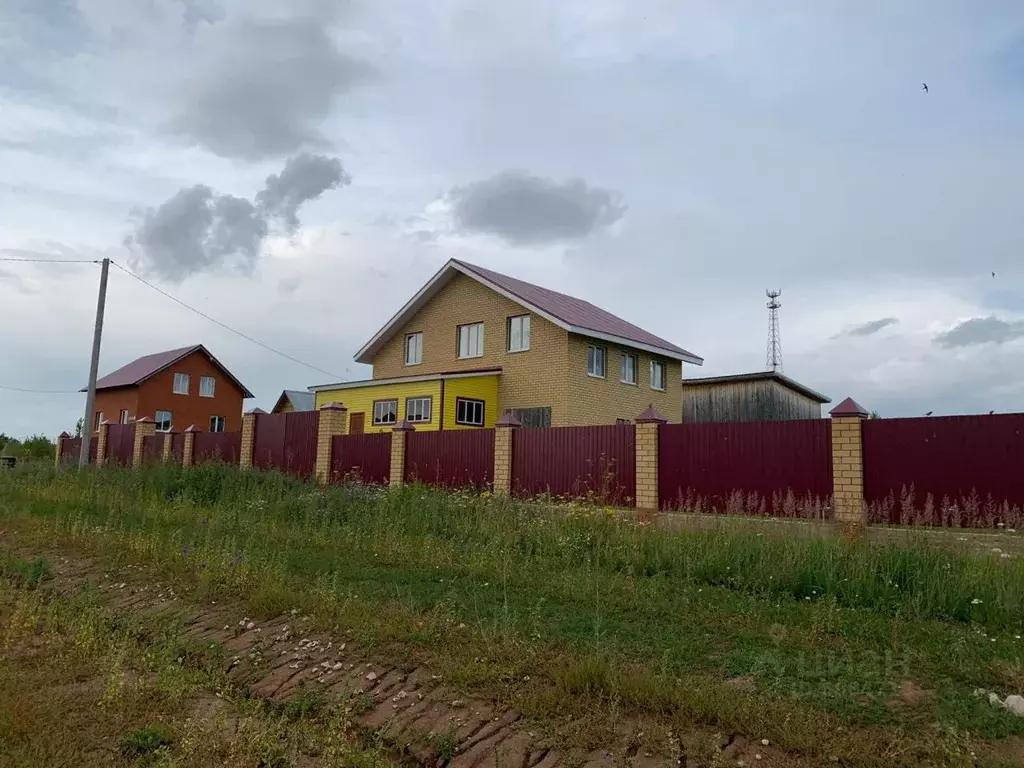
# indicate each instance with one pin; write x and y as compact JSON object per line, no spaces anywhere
{"x":738,"y":378}
{"x":406,"y":380}
{"x":444,"y":275}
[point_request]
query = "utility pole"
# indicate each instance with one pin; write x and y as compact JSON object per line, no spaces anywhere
{"x":94,"y":364}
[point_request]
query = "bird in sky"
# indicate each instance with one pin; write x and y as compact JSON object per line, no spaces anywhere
{"x":990,"y":413}
{"x":928,"y":414}
{"x":924,"y":87}
{"x":993,"y":274}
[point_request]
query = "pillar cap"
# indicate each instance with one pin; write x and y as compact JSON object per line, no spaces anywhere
{"x":403,"y":426}
{"x":145,"y":420}
{"x":333,"y":407}
{"x":106,"y":423}
{"x":173,"y":431}
{"x":509,"y":420}
{"x":193,"y":428}
{"x":651,"y":416}
{"x":63,"y":436}
{"x":849,"y":407}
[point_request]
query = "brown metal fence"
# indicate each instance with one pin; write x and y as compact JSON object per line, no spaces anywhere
{"x":361,"y":458}
{"x":120,"y":444}
{"x":152,"y":449}
{"x":453,"y":459}
{"x":286,"y":442}
{"x":217,"y":446}
{"x":71,"y":449}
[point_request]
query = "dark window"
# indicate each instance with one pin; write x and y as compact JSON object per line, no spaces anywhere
{"x":385,"y":412}
{"x":124,"y":415}
{"x":623,"y":421}
{"x":533,"y":417}
{"x":163,"y":421}
{"x":216,"y":423}
{"x":469,"y":412}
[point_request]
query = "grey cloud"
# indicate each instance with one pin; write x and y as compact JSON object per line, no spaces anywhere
{"x":305,"y":177}
{"x":198,"y":229}
{"x":531,"y":210}
{"x":872,"y":326}
{"x":981,"y":330}
{"x":268,"y":90}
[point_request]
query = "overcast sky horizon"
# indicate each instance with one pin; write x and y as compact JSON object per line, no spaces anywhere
{"x":299,"y":172}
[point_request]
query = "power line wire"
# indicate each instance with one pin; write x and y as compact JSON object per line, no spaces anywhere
{"x":49,"y":261}
{"x":40,"y":391}
{"x":223,"y":325}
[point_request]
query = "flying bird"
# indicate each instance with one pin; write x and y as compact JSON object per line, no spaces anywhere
{"x":990,"y":413}
{"x":928,"y":414}
{"x":924,"y":87}
{"x":993,"y":274}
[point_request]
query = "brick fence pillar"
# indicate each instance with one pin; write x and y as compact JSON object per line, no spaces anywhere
{"x":143,"y":428}
{"x":332,"y":423}
{"x":60,"y":448}
{"x":647,"y":424}
{"x":101,"y":443}
{"x":848,"y":468}
{"x":504,"y":439}
{"x":189,"y":451}
{"x":399,"y":435}
{"x":248,"y":438}
{"x":165,"y":455}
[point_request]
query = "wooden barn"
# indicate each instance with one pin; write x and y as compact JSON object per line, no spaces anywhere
{"x":761,"y":396}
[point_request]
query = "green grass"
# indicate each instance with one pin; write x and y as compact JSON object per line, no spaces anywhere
{"x":578,"y":618}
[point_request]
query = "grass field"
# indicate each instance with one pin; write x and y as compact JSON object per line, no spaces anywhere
{"x":826,"y":648}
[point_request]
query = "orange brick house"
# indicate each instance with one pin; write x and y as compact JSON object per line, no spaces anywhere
{"x":178,"y":388}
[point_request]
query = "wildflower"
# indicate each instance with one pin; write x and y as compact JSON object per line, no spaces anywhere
{"x":975,"y":601}
{"x":185,"y":551}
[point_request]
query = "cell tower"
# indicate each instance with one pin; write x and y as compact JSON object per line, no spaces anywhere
{"x":774,"y":356}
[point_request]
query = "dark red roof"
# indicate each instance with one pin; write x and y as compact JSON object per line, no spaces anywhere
{"x":145,"y":367}
{"x":849,"y":407}
{"x":573,"y":311}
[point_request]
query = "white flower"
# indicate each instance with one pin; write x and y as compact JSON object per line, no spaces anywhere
{"x":975,"y":601}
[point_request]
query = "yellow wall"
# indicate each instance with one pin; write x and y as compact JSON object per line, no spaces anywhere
{"x":535,"y":378}
{"x":360,"y":400}
{"x":478,"y":388}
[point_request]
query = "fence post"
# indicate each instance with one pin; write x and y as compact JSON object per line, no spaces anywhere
{"x":101,"y":443}
{"x":144,"y":427}
{"x":168,"y":444}
{"x":332,"y":423}
{"x":189,"y":450}
{"x":848,"y":467}
{"x":60,"y":448}
{"x":399,"y":433}
{"x":504,"y":437}
{"x":248,"y":438}
{"x":646,"y":447}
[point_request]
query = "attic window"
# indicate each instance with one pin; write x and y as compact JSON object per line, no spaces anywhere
{"x":471,"y":340}
{"x":182,"y":382}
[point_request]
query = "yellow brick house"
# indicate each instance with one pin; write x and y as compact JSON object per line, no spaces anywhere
{"x":473,"y":344}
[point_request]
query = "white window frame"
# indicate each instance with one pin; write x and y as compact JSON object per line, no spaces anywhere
{"x":622,"y":368}
{"x":378,"y":421}
{"x":519,"y":326}
{"x":470,"y":402}
{"x":213,"y":386}
{"x":181,"y":377}
{"x":124,"y":416}
{"x":474,"y":347}
{"x":99,"y":420}
{"x":419,"y":410}
{"x":217,"y":421}
{"x":413,"y":349}
{"x":592,"y":351}
{"x":658,"y":365}
{"x":160,"y":421}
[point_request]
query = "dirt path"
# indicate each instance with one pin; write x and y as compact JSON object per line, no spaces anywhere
{"x":410,"y":710}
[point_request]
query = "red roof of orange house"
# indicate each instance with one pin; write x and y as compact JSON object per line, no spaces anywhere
{"x":147,"y":366}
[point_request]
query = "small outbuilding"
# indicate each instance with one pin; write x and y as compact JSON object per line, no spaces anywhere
{"x":760,"y":396}
{"x":292,"y":400}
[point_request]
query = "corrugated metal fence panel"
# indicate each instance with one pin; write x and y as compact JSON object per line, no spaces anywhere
{"x":70,"y":450}
{"x":287,"y":442}
{"x":120,"y":443}
{"x":454,"y":459}
{"x":576,"y":462}
{"x":217,"y":446}
{"x":152,"y":449}
{"x":778,"y":468}
{"x":955,"y":470}
{"x":365,"y":458}
{"x":94,"y":446}
{"x":178,"y":447}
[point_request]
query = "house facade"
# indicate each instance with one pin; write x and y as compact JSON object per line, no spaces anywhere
{"x":474,"y":344}
{"x":178,"y":388}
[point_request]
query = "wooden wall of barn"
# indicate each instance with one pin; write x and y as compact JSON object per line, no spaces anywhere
{"x":745,"y":401}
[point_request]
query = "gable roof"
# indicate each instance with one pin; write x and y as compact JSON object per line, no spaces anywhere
{"x":567,"y":312}
{"x":147,"y":366}
{"x":760,"y":376}
{"x":301,"y":401}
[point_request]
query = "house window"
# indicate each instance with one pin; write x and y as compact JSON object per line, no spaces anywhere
{"x":628,"y":368}
{"x":469,"y":412}
{"x":657,"y":375}
{"x":519,"y":333}
{"x":414,"y":349}
{"x":207,"y":386}
{"x":124,"y":415}
{"x":216,"y":423}
{"x":182,"y":381}
{"x":595,"y":361}
{"x":533,"y":417}
{"x":417,"y":408}
{"x":385,"y":412}
{"x":99,"y":420}
{"x":471,"y":340}
{"x":163,"y":421}
{"x":623,"y":421}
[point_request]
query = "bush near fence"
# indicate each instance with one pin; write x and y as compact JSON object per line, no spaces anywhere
{"x":954,"y":472}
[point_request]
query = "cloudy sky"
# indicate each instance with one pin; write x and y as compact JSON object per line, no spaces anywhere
{"x":298,"y":174}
